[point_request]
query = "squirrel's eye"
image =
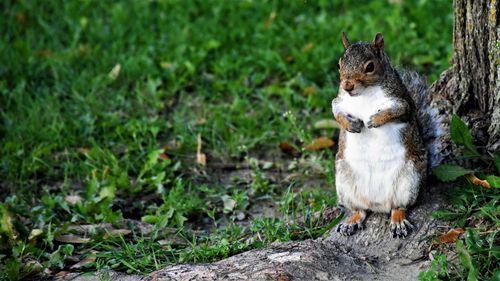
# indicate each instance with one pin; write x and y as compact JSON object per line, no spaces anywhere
{"x":370,"y":67}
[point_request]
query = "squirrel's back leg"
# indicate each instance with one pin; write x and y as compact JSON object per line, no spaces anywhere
{"x":352,"y":223}
{"x":406,"y":192}
{"x":347,"y":195}
{"x":400,"y":226}
{"x":411,"y":178}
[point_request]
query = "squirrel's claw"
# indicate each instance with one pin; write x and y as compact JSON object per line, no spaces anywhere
{"x":370,"y":124}
{"x":349,"y":229}
{"x":401,"y":229}
{"x":355,"y":124}
{"x":352,"y":223}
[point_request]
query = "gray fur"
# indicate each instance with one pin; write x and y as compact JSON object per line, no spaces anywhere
{"x":427,"y":117}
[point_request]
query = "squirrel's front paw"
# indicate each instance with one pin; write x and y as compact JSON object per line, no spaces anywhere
{"x":372,"y":123}
{"x":355,"y":124}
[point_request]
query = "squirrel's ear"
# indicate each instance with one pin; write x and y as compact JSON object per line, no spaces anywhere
{"x":378,"y":42}
{"x":345,"y":41}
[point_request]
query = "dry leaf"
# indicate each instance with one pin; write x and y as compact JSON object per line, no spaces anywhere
{"x":73,"y":199}
{"x":319,"y":143}
{"x":61,"y":274}
{"x":229,"y":203}
{"x":21,"y":19}
{"x":201,"y":158}
{"x":269,"y":21}
{"x":83,"y":150}
{"x":476,"y":181}
{"x":450,"y":237}
{"x":282,"y":276}
{"x":326,"y":124}
{"x":165,"y":64}
{"x":33,"y":266}
{"x":288,"y":148}
{"x":171,"y":146}
{"x":113,"y":74}
{"x":307,"y":47}
{"x":117,"y":232}
{"x":85,"y":261}
{"x":272,"y":16}
{"x":309,"y":91}
{"x":69,"y":238}
{"x":34,"y":233}
{"x":44,"y":53}
{"x":266,"y":165}
{"x":201,"y":121}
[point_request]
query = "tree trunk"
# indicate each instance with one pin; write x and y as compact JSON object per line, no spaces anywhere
{"x":470,"y":88}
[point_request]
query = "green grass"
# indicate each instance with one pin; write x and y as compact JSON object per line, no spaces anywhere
{"x":474,"y":210}
{"x":104,"y":100}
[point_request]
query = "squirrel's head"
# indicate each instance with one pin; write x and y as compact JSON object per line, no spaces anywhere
{"x":362,"y":65}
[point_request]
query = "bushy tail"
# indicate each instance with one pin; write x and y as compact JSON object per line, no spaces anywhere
{"x":428,"y":119}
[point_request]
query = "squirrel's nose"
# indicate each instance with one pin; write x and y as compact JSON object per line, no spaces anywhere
{"x":347,"y":86}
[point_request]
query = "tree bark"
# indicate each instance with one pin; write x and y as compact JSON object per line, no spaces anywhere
{"x":470,"y":88}
{"x":371,"y":254}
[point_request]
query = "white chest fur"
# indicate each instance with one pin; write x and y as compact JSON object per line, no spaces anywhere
{"x":377,"y":155}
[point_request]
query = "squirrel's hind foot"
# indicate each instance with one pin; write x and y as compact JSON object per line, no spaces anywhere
{"x":353,"y":223}
{"x":400,"y":226}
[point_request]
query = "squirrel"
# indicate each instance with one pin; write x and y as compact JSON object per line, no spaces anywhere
{"x":389,"y":137}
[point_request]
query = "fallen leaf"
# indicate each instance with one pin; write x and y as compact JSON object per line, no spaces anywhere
{"x":33,"y":266}
{"x":21,"y":19}
{"x":319,"y":143}
{"x":117,"y":232}
{"x":113,"y":74}
{"x":270,"y":20}
{"x":171,"y":146}
{"x":450,"y":237}
{"x":288,"y":148}
{"x":201,"y":121}
{"x":34,"y":233}
{"x":73,"y":199}
{"x":201,"y":158}
{"x":266,"y":165}
{"x":83,"y":150}
{"x":61,"y":274}
{"x":70,"y":238}
{"x":476,"y":181}
{"x":307,"y":47}
{"x":282,"y":276}
{"x":326,"y":124}
{"x":309,"y":91}
{"x":89,"y":259}
{"x":272,"y":16}
{"x":173,"y":239}
{"x":44,"y":53}
{"x":229,"y":203}
{"x":165,"y":64}
{"x":6,"y":225}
